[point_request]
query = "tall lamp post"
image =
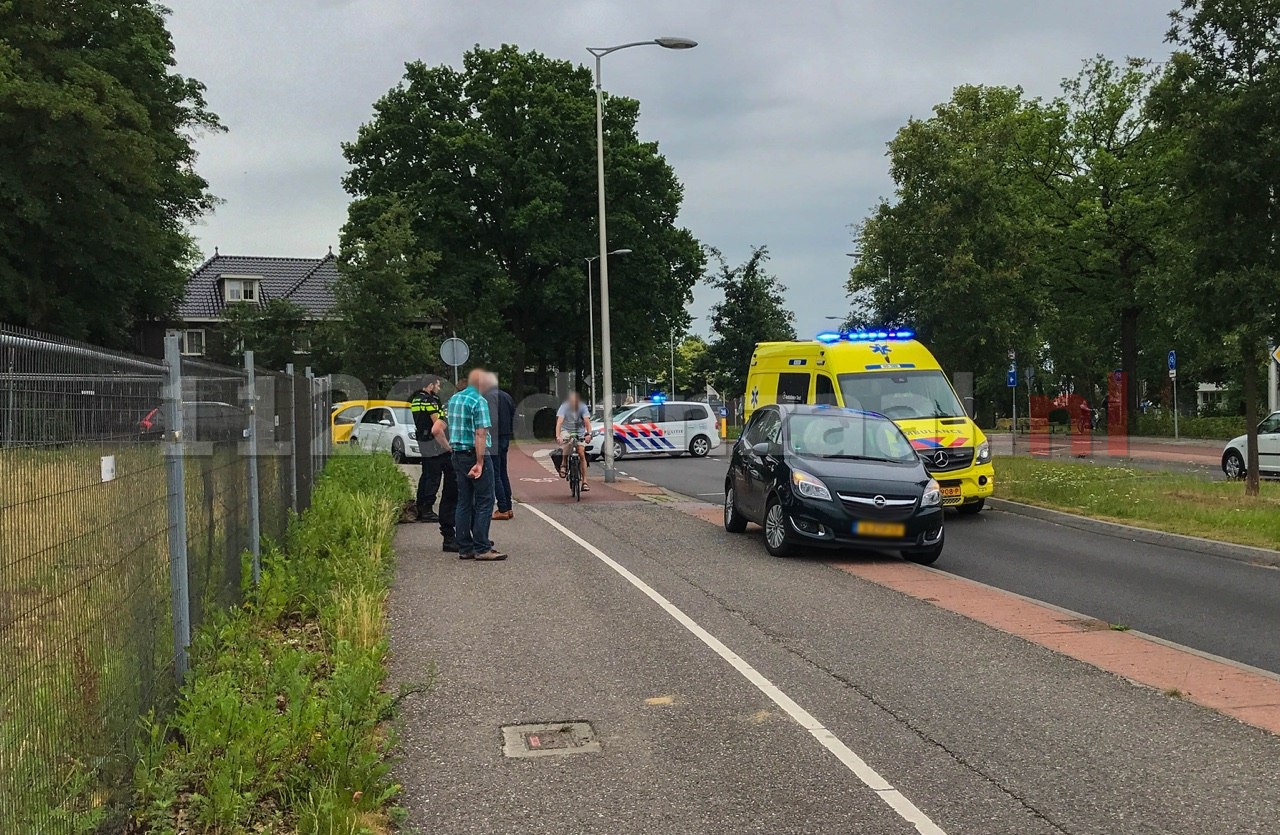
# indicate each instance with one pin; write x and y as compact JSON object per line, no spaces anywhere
{"x":591,"y":317}
{"x":606,"y":358}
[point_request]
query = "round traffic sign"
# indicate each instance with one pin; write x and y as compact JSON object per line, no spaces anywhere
{"x":453,"y":351}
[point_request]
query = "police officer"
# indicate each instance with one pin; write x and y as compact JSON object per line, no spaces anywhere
{"x":429,"y":419}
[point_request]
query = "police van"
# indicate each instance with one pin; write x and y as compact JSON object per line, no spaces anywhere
{"x":887,"y":372}
{"x":659,"y":426}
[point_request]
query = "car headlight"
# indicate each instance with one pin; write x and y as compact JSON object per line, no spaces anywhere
{"x":413,"y":434}
{"x":932,"y":494}
{"x":809,"y":486}
{"x":984,"y":452}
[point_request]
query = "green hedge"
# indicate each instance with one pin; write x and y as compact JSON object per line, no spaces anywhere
{"x":1212,"y":428}
{"x":281,"y":725}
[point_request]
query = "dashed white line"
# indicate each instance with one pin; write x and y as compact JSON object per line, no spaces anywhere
{"x":895,"y":799}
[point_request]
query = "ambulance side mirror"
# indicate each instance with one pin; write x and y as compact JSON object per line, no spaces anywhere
{"x":969,"y":408}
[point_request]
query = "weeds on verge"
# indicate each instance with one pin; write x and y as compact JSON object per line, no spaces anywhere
{"x":281,"y":726}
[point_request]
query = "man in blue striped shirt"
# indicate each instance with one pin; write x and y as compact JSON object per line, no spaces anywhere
{"x":469,"y":424}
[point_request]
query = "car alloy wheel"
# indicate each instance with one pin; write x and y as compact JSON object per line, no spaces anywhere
{"x":700,"y":447}
{"x":1233,"y":465}
{"x":397,"y":451}
{"x":734,"y":522}
{"x":776,"y":539}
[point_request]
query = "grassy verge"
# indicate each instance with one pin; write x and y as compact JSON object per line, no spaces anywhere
{"x":1175,"y":503}
{"x":281,"y":727}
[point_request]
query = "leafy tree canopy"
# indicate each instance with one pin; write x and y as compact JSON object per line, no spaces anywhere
{"x":753,"y":311}
{"x":495,"y":165}
{"x":97,"y":184}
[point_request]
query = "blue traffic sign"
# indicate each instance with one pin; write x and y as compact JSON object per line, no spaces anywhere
{"x":1173,"y":360}
{"x":1012,"y":380}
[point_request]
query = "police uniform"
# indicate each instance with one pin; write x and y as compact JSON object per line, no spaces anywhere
{"x":437,"y":473}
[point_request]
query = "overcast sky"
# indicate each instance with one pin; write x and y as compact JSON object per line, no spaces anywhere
{"x":776,"y":123}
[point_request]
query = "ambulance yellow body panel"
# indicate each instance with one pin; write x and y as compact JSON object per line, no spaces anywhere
{"x":891,"y":374}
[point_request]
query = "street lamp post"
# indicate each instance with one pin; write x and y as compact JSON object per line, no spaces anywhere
{"x":591,"y":318}
{"x":606,"y":359}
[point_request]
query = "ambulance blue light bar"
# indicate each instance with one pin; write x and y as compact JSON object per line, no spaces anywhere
{"x":658,"y":397}
{"x":866,"y":335}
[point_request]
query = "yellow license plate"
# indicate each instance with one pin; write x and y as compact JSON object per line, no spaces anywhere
{"x":887,"y":530}
{"x":952,"y":492}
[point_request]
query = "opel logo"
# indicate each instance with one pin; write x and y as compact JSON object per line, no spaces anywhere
{"x":941,"y":459}
{"x":879,"y":501}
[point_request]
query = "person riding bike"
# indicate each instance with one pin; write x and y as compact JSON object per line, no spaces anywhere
{"x":573,"y":423}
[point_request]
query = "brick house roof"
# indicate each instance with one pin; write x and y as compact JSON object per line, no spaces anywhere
{"x":307,"y":282}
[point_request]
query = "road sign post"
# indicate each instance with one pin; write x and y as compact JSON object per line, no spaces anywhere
{"x":1011,"y":380}
{"x":1173,"y":382}
{"x":454,"y":352}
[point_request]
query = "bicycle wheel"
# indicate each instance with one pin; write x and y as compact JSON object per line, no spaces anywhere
{"x":575,"y":476}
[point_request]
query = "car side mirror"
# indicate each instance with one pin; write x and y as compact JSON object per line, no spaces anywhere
{"x":385,"y":422}
{"x":762,"y":448}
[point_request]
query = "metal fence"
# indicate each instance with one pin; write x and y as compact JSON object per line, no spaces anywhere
{"x":134,"y":494}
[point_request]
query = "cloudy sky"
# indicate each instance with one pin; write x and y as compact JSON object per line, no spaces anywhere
{"x":776,"y":123}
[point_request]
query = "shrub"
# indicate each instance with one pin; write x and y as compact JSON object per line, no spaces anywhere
{"x":1160,"y":424}
{"x":280,"y":725}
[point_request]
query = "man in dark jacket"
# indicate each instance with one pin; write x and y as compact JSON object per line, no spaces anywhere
{"x":502,"y":411}
{"x":429,"y":419}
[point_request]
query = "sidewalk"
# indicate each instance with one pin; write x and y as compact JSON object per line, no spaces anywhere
{"x":1192,"y":453}
{"x":980,"y":730}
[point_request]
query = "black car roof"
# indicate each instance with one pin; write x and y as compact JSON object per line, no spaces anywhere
{"x":805,"y":409}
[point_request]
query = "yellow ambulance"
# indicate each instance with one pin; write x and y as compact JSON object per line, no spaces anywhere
{"x":887,"y":372}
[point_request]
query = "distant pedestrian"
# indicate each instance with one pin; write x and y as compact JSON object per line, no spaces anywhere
{"x":469,"y":425}
{"x":502,"y":411}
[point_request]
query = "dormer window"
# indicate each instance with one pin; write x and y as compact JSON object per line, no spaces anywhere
{"x":239,"y":288}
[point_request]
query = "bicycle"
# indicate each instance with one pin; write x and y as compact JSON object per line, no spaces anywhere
{"x":573,"y":467}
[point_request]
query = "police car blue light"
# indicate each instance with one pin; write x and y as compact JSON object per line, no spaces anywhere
{"x":829,"y":337}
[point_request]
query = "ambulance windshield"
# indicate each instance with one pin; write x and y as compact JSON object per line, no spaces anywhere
{"x":901,"y":395}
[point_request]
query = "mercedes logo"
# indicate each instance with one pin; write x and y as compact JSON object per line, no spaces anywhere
{"x":941,"y":459}
{"x":879,"y":501}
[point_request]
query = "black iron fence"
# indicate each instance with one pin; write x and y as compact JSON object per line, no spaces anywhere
{"x":134,"y":494}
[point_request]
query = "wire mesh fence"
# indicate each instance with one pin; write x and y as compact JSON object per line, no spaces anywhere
{"x":133,"y":496}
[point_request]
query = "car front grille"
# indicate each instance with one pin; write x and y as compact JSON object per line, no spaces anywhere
{"x":947,"y":460}
{"x":867,"y":506}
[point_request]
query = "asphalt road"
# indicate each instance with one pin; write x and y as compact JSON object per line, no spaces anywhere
{"x":1215,"y":605}
{"x":735,"y":693}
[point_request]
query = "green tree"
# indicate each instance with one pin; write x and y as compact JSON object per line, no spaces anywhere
{"x":276,"y":331}
{"x":1113,"y":212}
{"x":1222,"y":96}
{"x":959,"y":254}
{"x":379,"y":332}
{"x":97,"y":185}
{"x":753,"y":311}
{"x":496,"y":162}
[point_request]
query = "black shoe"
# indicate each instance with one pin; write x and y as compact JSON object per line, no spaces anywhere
{"x":449,"y":547}
{"x":429,"y":516}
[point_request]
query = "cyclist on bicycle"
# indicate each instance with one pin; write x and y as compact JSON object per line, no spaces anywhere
{"x":573,"y":423}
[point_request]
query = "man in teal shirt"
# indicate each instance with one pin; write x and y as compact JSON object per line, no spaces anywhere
{"x":469,"y":425}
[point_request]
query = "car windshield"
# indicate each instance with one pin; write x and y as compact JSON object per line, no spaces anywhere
{"x":901,"y":395}
{"x":848,"y":436}
{"x":403,"y":415}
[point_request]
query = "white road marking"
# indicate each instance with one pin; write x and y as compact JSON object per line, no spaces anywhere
{"x":868,"y":775}
{"x":710,"y":494}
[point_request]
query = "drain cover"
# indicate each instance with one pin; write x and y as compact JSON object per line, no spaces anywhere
{"x":549,"y":739}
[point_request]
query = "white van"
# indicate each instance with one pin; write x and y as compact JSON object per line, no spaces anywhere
{"x":672,"y":427}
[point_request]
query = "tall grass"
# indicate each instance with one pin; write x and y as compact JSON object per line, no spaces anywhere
{"x":281,"y":726}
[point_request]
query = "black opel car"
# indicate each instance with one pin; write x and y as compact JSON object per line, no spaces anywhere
{"x":836,"y":478}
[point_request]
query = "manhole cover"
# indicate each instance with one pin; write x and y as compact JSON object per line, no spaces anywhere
{"x":549,"y":739}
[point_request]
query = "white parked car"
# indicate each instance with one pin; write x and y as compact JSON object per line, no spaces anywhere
{"x":1235,"y":454}
{"x":671,"y":428}
{"x":388,"y":429}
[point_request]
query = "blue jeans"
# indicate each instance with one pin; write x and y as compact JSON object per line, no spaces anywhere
{"x":501,"y":480}
{"x":475,"y":505}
